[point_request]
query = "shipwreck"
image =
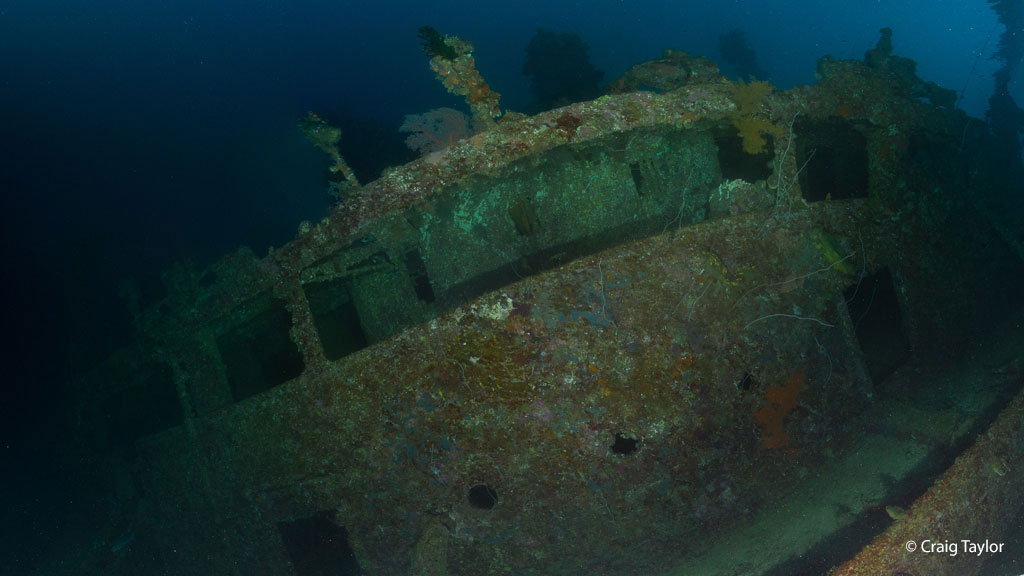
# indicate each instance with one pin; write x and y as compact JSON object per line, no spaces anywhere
{"x":694,"y":326}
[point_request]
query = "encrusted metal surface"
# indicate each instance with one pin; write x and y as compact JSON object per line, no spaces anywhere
{"x":570,"y":343}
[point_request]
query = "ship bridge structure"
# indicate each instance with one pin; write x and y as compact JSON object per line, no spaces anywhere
{"x":694,"y":326}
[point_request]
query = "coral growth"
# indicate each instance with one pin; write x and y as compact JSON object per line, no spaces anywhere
{"x":753,"y":131}
{"x":326,"y":137}
{"x":672,"y":71}
{"x":453,"y":63}
{"x":434,"y":45}
{"x":436,"y":129}
{"x":779,"y":402}
{"x":749,"y":96}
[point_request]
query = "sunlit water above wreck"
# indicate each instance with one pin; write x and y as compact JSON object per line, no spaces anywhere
{"x":635,"y":288}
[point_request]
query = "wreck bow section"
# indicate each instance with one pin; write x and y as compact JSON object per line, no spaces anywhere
{"x":568,"y":343}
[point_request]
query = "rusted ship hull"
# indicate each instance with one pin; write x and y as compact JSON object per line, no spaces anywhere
{"x":594,"y":340}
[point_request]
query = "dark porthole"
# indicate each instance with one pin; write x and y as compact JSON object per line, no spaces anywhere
{"x":482,"y":496}
{"x":624,"y":445}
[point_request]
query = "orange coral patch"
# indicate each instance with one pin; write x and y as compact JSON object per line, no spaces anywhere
{"x":779,"y":402}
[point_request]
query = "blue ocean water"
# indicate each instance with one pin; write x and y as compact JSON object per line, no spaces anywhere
{"x":137,"y":134}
